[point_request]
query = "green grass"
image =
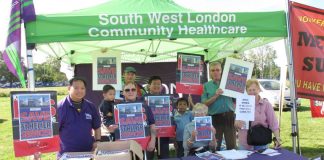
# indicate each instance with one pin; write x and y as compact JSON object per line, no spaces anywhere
{"x":311,"y":132}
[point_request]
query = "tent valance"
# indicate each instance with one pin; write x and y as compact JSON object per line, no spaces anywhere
{"x":140,"y":29}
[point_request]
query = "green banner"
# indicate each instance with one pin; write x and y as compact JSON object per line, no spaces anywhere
{"x":53,"y":28}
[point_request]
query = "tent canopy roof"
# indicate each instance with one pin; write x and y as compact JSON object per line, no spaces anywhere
{"x":141,"y":29}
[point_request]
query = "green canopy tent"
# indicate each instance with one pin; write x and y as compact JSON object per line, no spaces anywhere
{"x":148,"y":31}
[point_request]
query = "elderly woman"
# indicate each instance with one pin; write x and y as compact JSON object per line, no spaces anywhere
{"x":189,"y":134}
{"x":264,"y":115}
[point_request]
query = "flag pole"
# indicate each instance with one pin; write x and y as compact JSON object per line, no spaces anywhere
{"x":289,"y":52}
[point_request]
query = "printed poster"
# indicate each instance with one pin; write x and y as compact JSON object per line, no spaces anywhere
{"x":317,"y":108}
{"x":162,"y":111}
{"x":106,"y":69}
{"x":160,"y":106}
{"x":235,"y":74}
{"x":203,"y":127}
{"x":307,"y":50}
{"x":190,"y":74}
{"x":131,"y":121}
{"x":34,"y":121}
{"x":245,"y":108}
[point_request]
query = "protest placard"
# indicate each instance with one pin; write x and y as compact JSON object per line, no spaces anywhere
{"x":235,"y":74}
{"x":34,"y":122}
{"x":190,"y":73}
{"x":203,"y":127}
{"x":106,"y":69}
{"x":245,"y":108}
{"x":131,"y":122}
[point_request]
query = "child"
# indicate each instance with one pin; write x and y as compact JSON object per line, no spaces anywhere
{"x":189,"y":136}
{"x":107,"y":108}
{"x":181,"y":118}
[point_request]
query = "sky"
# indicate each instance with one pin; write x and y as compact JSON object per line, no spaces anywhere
{"x":60,"y":6}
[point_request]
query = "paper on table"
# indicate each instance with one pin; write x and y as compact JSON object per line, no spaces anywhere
{"x":77,"y":156}
{"x":270,"y":152}
{"x":209,"y":155}
{"x":245,"y":152}
{"x":232,"y":154}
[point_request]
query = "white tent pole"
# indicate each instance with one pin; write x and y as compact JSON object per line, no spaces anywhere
{"x":294,"y":122}
{"x":30,"y":73}
{"x":283,"y":77}
{"x":30,"y":68}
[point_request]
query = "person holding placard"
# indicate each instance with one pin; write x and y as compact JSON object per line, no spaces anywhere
{"x":182,"y":117}
{"x":130,"y":95}
{"x":162,"y":143}
{"x":220,"y":107}
{"x":264,"y":115}
{"x":77,"y":118}
{"x":190,"y":144}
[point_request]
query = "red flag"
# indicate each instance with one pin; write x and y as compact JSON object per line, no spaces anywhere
{"x":307,"y":25}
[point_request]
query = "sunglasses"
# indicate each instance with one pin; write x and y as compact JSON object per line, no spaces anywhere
{"x":128,"y":90}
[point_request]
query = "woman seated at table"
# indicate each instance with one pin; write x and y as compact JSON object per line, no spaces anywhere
{"x":264,"y":115}
{"x":190,"y":145}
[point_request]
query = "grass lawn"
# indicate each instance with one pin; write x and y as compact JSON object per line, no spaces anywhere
{"x":311,"y":131}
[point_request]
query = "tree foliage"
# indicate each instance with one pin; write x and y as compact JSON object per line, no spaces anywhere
{"x":263,"y":59}
{"x":48,"y":71}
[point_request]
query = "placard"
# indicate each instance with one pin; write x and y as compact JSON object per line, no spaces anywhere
{"x":160,"y":106}
{"x":34,"y":122}
{"x":190,"y":73}
{"x":130,"y":121}
{"x":162,"y":111}
{"x":203,"y":127}
{"x":235,"y":74}
{"x":106,"y":69}
{"x":245,"y":108}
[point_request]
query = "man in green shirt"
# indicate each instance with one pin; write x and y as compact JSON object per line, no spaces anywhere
{"x":219,"y":107}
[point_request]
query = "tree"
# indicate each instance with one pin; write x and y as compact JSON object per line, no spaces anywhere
{"x":49,"y":71}
{"x":263,"y":58}
{"x":6,"y":74}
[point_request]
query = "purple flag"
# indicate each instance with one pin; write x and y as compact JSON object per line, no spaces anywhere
{"x":12,"y":54}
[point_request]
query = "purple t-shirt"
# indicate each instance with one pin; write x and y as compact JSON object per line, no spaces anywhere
{"x":75,"y":128}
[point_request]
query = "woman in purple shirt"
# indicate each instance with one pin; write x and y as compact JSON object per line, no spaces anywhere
{"x":264,"y":115}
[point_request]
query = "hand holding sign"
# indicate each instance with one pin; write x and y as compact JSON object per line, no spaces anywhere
{"x":219,"y":91}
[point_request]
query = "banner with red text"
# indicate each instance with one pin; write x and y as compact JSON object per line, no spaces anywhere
{"x":190,"y":74}
{"x":34,"y":124}
{"x":307,"y":32}
{"x":317,"y":108}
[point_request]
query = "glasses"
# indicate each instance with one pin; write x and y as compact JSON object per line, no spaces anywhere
{"x":132,"y":89}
